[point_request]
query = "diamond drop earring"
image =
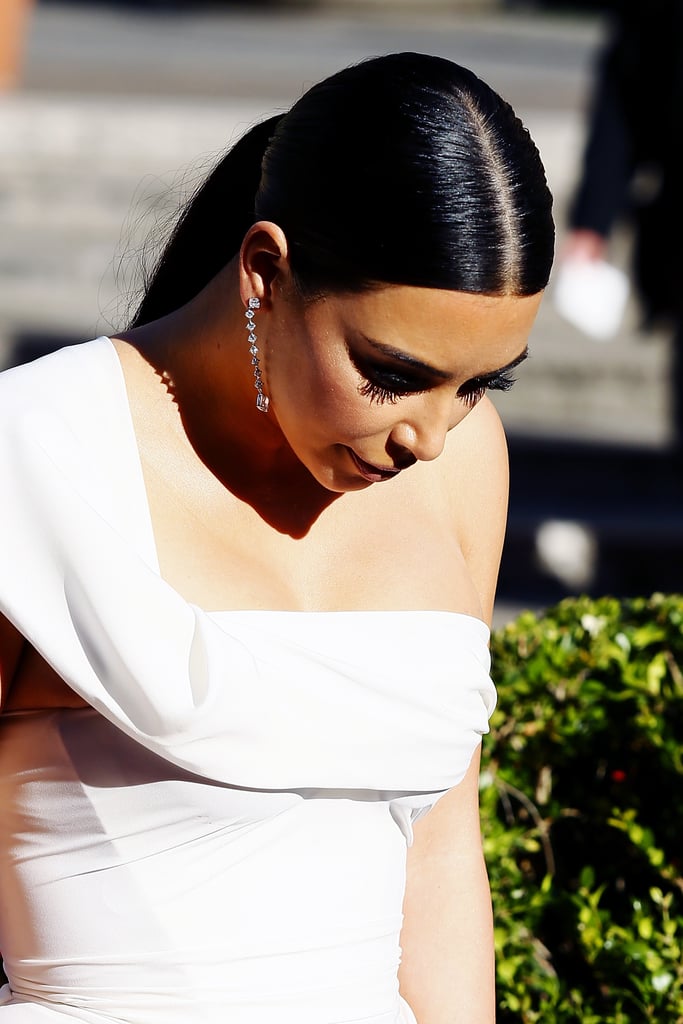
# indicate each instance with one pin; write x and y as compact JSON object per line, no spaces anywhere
{"x":262,"y":400}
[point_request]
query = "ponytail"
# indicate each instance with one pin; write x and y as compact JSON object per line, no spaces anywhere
{"x":211,"y":228}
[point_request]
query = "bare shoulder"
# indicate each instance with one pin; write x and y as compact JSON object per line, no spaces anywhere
{"x":478,"y":480}
{"x":476,"y":451}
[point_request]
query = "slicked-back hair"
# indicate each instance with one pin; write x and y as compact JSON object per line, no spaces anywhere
{"x":403,"y":169}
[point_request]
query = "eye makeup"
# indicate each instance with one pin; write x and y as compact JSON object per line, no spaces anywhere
{"x":472,"y":391}
{"x":382,"y":384}
{"x":386,"y":382}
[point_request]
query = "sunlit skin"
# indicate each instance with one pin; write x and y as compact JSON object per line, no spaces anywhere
{"x":336,"y":387}
{"x":340,"y":371}
{"x":386,"y":374}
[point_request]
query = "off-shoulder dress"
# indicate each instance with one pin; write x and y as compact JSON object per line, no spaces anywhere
{"x":220,"y":836}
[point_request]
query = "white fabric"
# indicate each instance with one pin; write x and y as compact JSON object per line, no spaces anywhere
{"x":220,"y":838}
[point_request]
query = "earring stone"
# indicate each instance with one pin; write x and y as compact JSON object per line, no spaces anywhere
{"x":262,"y":400}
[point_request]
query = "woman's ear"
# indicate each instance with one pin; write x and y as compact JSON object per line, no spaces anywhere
{"x":263,"y":259}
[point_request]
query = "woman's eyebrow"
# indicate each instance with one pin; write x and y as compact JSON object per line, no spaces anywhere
{"x":404,"y":357}
{"x":504,"y":369}
{"x":417,"y":364}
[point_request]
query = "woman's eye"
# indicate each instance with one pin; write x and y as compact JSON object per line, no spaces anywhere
{"x":377,"y":393}
{"x":382,"y":386}
{"x":474,"y":390}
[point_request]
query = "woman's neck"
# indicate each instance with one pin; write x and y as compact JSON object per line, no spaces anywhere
{"x":200,"y":359}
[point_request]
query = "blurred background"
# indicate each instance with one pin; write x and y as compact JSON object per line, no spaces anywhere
{"x":110,"y":114}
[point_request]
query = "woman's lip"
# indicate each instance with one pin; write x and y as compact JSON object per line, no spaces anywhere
{"x":372,"y":473}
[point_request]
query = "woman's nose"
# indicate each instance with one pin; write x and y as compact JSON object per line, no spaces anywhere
{"x":424,"y":435}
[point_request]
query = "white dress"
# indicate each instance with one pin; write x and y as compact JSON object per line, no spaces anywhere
{"x":220,"y":837}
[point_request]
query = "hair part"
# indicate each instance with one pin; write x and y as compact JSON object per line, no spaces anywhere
{"x":500,"y":178}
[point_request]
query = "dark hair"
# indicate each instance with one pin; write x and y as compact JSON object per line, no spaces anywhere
{"x":404,"y":169}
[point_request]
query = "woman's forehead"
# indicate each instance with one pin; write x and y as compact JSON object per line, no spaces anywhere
{"x":446,"y":330}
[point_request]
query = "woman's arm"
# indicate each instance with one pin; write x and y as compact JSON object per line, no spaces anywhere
{"x":478,"y":473}
{"x":447,"y":969}
{"x":27,"y":682}
{"x":447,"y":973}
{"x":11,"y":646}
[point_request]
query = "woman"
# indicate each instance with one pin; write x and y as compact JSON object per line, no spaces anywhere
{"x":251,"y":550}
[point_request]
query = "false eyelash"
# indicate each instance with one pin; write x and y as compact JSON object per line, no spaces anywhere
{"x":472,"y":397}
{"x":378,"y":393}
{"x":500,"y":382}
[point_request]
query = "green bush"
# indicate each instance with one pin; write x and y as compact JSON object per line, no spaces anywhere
{"x":582,"y":813}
